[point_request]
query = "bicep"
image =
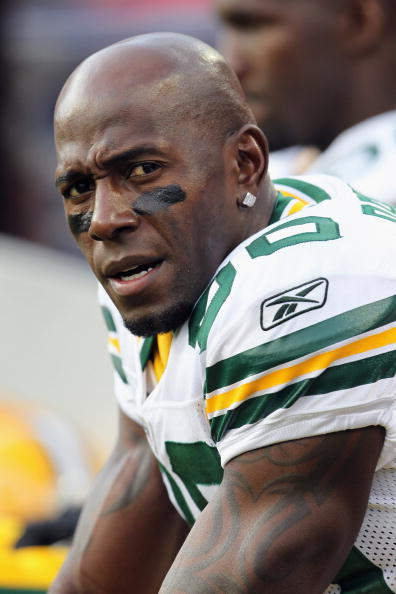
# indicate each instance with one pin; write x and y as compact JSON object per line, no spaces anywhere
{"x":285,"y":518}
{"x":307,"y":500}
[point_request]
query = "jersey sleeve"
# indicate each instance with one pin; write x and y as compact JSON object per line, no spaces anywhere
{"x":124,"y":353}
{"x":313,"y":352}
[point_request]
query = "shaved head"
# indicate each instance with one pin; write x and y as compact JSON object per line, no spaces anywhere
{"x":157,"y":149}
{"x":178,"y":76}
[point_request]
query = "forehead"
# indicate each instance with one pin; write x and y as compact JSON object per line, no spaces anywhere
{"x":101,"y":144}
{"x":98,"y":96}
{"x":93,"y":144}
{"x":119,"y":99}
{"x":102,"y":117}
{"x":89,"y":131}
{"x":101,"y":113}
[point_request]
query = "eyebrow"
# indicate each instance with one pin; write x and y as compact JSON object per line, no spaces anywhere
{"x":137,"y":151}
{"x":66,"y":178}
{"x":132,"y":154}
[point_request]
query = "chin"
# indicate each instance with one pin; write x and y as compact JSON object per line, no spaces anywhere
{"x":165,"y":321}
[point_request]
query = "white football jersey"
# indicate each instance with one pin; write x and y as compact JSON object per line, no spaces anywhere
{"x":294,"y":337}
{"x":364,"y":156}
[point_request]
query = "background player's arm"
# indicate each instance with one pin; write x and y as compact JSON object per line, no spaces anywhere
{"x":129,"y":533}
{"x":284,"y":520}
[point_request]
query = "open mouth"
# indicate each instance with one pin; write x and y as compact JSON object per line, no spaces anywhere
{"x":136,"y":272}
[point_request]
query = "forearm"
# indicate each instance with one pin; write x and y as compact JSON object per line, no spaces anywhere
{"x":128,"y":534}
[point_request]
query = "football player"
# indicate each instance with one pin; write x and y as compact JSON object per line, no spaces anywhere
{"x":251,"y":327}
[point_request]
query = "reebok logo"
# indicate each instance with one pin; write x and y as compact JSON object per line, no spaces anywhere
{"x":293,"y":302}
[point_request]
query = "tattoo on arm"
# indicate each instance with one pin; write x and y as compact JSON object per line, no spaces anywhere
{"x":236,"y":550}
{"x":130,"y":472}
{"x":135,"y":486}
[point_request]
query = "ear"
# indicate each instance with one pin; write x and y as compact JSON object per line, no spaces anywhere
{"x":362,"y":25}
{"x":251,"y":158}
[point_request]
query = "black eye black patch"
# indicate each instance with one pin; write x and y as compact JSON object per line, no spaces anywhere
{"x":148,"y":203}
{"x":151,"y":202}
{"x":80,"y":223}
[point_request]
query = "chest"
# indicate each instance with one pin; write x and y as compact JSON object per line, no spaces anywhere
{"x":171,"y":409}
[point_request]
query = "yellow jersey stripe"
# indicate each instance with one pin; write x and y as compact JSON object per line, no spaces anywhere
{"x":161,"y":353}
{"x":282,"y":376}
{"x":289,"y":194}
{"x":297,"y":206}
{"x":115,"y":343}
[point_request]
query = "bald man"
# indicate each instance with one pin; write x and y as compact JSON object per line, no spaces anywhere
{"x":250,"y":328}
{"x":321,"y":73}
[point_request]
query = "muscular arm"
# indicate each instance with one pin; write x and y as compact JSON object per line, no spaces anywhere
{"x":284,"y":520}
{"x":129,"y":533}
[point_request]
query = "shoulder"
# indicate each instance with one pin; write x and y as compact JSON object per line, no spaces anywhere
{"x":307,"y":281}
{"x":320,"y":258}
{"x":302,"y":315}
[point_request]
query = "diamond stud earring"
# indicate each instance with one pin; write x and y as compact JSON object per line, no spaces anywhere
{"x":249,"y":200}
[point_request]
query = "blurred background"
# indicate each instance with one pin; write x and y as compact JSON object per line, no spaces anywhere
{"x":52,"y":346}
{"x":57,"y":411}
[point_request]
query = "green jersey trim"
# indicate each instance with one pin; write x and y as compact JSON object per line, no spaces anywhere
{"x":324,"y":229}
{"x":315,"y":193}
{"x":280,"y":205}
{"x":359,"y":575}
{"x":178,"y":495}
{"x":108,"y":318}
{"x":310,"y":193}
{"x":201,"y":319}
{"x":340,"y":377}
{"x":146,"y":350}
{"x":112,"y":330}
{"x":300,"y":343}
{"x":117,"y":364}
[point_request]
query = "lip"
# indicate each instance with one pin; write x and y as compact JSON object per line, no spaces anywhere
{"x":116,"y":267}
{"x":128,"y":287}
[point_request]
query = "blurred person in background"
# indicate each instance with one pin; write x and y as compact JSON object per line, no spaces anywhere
{"x":320,"y":73}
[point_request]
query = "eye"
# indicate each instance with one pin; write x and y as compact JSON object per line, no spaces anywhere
{"x":244,"y":21}
{"x":142,"y":169}
{"x":78,"y":189}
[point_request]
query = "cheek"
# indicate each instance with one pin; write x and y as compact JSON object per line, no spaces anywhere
{"x":150,"y":203}
{"x":79,"y":223}
{"x":86,"y":246}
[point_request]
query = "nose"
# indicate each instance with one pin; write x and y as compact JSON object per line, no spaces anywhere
{"x":112,"y":213}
